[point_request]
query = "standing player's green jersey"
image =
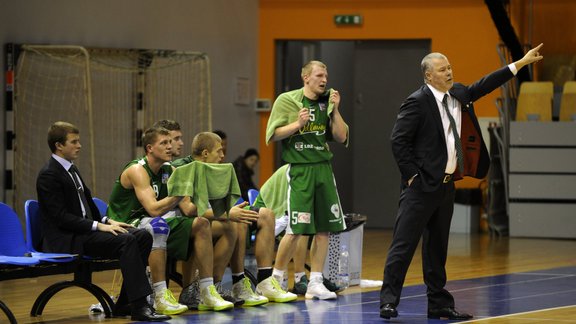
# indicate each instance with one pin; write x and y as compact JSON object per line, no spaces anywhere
{"x":309,"y":144}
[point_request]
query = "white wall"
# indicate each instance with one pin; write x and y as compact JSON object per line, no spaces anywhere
{"x":227,"y":30}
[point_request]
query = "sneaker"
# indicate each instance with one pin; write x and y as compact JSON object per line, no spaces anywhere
{"x":301,"y":286}
{"x":317,"y":290}
{"x":190,"y":296}
{"x":211,"y":300}
{"x":270,"y":288}
{"x":166,"y":304}
{"x":227,"y":295}
{"x":243,"y":290}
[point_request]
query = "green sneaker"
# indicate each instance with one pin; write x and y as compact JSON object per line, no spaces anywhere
{"x":301,"y":286}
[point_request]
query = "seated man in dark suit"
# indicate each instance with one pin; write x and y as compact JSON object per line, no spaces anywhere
{"x":72,"y":224}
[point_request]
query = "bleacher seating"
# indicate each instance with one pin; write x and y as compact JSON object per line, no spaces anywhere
{"x":568,"y":102}
{"x":535,"y":101}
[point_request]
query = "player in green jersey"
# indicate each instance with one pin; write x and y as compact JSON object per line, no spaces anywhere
{"x":140,"y":196}
{"x":304,"y":120}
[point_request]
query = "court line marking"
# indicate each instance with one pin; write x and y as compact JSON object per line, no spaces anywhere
{"x":539,"y":295}
{"x":467,"y":289}
{"x":516,"y":314}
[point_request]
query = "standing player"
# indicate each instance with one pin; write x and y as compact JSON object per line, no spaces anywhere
{"x":304,"y":120}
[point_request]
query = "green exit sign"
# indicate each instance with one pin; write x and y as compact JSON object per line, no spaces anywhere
{"x":348,"y":19}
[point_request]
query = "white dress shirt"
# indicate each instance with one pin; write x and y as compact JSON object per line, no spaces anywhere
{"x":454,"y":106}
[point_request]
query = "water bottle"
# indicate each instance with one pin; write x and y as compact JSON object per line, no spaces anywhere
{"x":343,"y":280}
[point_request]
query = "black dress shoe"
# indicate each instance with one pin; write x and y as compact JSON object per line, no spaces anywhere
{"x":146,"y":313}
{"x":448,"y":312}
{"x":388,"y":310}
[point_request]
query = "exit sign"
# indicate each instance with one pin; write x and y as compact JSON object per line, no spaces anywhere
{"x":348,"y":19}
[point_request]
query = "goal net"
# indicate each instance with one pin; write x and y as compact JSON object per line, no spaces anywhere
{"x":111,"y":95}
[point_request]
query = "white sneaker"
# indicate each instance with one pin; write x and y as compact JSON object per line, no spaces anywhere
{"x":243,"y":290}
{"x":317,"y":290}
{"x":211,"y":300}
{"x":166,"y":304}
{"x":270,"y":288}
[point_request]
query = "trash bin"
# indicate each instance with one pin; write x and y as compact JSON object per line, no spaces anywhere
{"x":352,"y":238}
{"x":466,"y":215}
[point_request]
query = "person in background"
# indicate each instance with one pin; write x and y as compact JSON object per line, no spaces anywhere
{"x":224,"y":139}
{"x":244,"y":167}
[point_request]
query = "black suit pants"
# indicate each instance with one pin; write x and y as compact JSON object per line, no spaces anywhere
{"x":427,"y":215}
{"x":132,"y":250}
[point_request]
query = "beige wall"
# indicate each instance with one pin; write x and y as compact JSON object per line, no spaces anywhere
{"x":224,"y":29}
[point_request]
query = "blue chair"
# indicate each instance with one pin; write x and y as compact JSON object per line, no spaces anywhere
{"x":252,"y":195}
{"x":101,"y":204}
{"x":13,"y":248}
{"x":82,"y":271}
{"x":33,"y":225}
{"x":13,"y":251}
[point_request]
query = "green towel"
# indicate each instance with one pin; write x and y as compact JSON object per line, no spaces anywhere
{"x":286,"y":108}
{"x":207,"y":184}
{"x":274,"y":192}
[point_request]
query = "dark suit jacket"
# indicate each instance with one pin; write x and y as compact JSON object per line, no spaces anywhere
{"x":64,"y":229}
{"x":418,"y":142}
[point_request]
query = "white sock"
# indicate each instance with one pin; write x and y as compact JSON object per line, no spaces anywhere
{"x":205,"y":282}
{"x":159,"y":287}
{"x":278,"y":274}
{"x":316,"y":276}
{"x":298,"y":276}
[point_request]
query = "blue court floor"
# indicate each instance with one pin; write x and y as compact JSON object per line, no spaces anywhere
{"x":483,"y":297}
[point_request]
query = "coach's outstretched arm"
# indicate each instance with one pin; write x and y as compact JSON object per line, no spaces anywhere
{"x":531,"y":56}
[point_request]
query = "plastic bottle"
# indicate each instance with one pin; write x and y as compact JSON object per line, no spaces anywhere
{"x":343,"y":280}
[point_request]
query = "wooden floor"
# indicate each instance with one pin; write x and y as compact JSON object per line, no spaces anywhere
{"x":470,"y":256}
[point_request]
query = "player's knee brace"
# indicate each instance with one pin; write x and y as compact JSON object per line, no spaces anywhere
{"x":159,"y":230}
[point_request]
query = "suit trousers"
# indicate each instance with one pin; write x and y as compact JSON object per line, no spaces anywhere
{"x":132,"y":250}
{"x":427,"y":215}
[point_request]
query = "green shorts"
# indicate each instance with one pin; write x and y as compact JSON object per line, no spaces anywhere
{"x":179,"y":244}
{"x":314,"y":205}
